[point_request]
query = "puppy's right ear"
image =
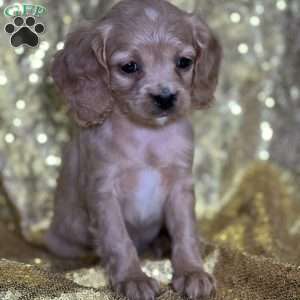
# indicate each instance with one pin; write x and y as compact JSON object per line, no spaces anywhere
{"x":80,"y":72}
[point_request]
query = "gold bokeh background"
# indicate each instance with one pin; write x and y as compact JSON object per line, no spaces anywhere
{"x":247,"y":157}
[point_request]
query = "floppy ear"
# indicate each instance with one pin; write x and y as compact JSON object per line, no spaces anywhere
{"x":80,"y":72}
{"x":207,"y":65}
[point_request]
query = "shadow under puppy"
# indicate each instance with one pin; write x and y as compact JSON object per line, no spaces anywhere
{"x":130,"y":80}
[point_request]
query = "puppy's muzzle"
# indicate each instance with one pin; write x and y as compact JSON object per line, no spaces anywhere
{"x":165,"y":100}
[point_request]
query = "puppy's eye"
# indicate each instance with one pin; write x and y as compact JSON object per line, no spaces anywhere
{"x":183,"y":63}
{"x":130,"y":68}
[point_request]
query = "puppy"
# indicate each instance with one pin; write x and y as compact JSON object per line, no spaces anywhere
{"x":130,"y":80}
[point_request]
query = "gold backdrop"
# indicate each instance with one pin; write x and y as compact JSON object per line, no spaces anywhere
{"x":247,"y":157}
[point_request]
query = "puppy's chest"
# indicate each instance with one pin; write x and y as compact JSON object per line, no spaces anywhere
{"x":144,"y":197}
{"x":148,"y":160}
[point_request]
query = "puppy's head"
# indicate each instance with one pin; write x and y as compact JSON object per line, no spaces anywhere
{"x":151,"y":59}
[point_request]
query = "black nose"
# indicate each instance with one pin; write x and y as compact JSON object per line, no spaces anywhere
{"x":165,"y":100}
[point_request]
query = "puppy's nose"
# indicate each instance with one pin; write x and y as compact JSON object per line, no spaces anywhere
{"x":165,"y":100}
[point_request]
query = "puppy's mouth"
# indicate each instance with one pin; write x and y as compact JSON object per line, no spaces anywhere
{"x":163,"y":117}
{"x":161,"y":113}
{"x":162,"y":120}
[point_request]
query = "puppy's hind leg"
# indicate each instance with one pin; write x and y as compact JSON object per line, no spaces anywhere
{"x":61,"y":247}
{"x":68,"y":235}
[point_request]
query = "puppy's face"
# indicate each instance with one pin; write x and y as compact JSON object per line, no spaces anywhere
{"x":153,"y":60}
{"x":152,"y":73}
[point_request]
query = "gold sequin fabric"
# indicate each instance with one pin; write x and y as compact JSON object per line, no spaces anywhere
{"x":252,"y":249}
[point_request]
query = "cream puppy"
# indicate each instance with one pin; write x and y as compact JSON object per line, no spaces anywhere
{"x":130,"y":80}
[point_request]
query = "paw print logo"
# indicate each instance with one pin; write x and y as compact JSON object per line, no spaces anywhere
{"x":24,"y":31}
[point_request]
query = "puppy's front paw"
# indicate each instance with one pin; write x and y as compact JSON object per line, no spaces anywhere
{"x":141,"y":288}
{"x":195,"y":285}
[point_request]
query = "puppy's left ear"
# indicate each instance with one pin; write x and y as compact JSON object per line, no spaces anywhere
{"x":207,"y":64}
